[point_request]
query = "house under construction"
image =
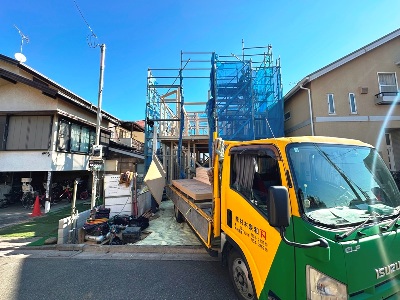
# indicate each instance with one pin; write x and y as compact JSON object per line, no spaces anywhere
{"x":237,"y":96}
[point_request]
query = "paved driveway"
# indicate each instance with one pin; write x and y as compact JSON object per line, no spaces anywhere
{"x":162,"y":230}
{"x":16,"y":213}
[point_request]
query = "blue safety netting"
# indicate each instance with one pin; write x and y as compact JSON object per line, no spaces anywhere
{"x":246,"y":102}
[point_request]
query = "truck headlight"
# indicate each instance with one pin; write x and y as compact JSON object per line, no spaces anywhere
{"x":322,"y":287}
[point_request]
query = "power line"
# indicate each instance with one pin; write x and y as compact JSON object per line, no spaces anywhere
{"x":92,"y":37}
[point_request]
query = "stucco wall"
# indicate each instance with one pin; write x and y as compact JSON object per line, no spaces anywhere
{"x":371,"y":120}
{"x":299,"y":121}
{"x":360,"y":72}
{"x":22,"y":98}
{"x":19,"y":97}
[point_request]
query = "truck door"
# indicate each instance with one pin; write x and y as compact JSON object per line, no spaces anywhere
{"x":248,"y":173}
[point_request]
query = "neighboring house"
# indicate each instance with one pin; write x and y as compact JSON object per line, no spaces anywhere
{"x":47,"y":132}
{"x":127,"y":141}
{"x":353,"y":97}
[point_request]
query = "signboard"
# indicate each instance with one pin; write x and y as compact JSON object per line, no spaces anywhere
{"x":95,"y":164}
{"x":118,"y":197}
{"x":112,"y":187}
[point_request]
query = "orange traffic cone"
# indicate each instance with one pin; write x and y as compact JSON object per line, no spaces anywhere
{"x":36,"y":208}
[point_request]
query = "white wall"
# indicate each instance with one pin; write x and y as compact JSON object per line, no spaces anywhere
{"x":24,"y":98}
{"x":19,"y":161}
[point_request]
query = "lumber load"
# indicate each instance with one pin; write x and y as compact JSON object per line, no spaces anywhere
{"x":195,"y":189}
{"x":201,"y":175}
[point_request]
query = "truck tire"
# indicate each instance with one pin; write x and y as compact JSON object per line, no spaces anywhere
{"x":178,"y":215}
{"x":240,"y":276}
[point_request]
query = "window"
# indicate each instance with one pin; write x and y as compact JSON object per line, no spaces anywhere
{"x":74,"y":137}
{"x":254,"y":170}
{"x":92,"y":140}
{"x":104,"y":137}
{"x":387,"y":139}
{"x":29,"y":132}
{"x":123,"y":134}
{"x":85,"y":138}
{"x":3,"y":132}
{"x":352,"y":101}
{"x":63,"y":136}
{"x":387,"y":84}
{"x":331,"y":104}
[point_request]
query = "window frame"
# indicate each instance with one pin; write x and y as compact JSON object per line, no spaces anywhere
{"x":331,"y":106}
{"x":387,"y":85}
{"x":3,"y":131}
{"x":65,"y":124}
{"x":256,"y":152}
{"x":81,"y":142}
{"x":27,"y":132}
{"x":354,"y":103}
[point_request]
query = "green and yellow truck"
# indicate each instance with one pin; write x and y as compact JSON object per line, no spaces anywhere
{"x":300,"y":218}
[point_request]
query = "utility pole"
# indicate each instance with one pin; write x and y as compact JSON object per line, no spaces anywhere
{"x":97,"y":147}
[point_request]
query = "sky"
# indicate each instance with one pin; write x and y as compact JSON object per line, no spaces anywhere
{"x":140,"y":34}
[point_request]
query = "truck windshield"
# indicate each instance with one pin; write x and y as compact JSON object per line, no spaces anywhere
{"x":339,"y":185}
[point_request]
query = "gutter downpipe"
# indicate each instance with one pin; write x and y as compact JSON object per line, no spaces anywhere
{"x":309,"y":102}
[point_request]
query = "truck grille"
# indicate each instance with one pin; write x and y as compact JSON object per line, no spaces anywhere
{"x":389,"y":289}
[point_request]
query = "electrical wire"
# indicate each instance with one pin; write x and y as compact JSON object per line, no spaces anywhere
{"x":92,"y":37}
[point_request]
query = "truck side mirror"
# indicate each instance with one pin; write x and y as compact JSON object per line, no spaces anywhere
{"x":278,"y":216}
{"x":278,"y":207}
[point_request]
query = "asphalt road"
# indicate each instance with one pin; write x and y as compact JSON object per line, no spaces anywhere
{"x":81,"y":275}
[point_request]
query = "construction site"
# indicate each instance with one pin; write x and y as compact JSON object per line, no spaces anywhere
{"x":236,"y":96}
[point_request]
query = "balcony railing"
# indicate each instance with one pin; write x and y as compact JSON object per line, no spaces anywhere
{"x":386,"y":97}
{"x":130,"y":142}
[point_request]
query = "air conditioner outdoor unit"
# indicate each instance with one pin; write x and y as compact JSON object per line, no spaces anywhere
{"x":383,"y":99}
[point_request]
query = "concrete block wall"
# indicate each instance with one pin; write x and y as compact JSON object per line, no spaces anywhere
{"x":64,"y":226}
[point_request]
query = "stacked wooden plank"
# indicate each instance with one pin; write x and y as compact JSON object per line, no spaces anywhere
{"x":201,"y":175}
{"x":195,"y":189}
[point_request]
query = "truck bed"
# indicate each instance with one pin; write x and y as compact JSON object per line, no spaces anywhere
{"x":194,"y":200}
{"x":197,"y":190}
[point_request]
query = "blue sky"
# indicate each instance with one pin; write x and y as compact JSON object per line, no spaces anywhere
{"x":141,"y":34}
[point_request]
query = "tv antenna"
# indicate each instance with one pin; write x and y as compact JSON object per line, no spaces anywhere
{"x":19,"y":56}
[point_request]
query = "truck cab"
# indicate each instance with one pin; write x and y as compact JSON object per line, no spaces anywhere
{"x":307,"y":218}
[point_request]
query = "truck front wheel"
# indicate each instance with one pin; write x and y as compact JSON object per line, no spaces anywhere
{"x":240,"y":276}
{"x":178,"y":215}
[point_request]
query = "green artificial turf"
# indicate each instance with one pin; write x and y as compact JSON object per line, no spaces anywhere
{"x":44,"y":226}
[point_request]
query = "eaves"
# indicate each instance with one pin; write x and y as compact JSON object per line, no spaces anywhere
{"x":135,"y":154}
{"x":341,"y":62}
{"x":14,"y":78}
{"x":54,"y":91}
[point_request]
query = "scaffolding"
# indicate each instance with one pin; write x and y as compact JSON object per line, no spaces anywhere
{"x":239,"y":97}
{"x":176,"y":128}
{"x":246,"y":102}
